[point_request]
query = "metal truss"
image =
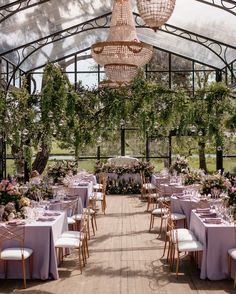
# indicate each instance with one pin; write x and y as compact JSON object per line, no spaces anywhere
{"x":12,"y":8}
{"x":25,"y":51}
{"x":227,"y":5}
{"x":216,"y":47}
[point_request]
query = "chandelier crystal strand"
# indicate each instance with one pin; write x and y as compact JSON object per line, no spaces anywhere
{"x":122,"y":53}
{"x":155,"y":13}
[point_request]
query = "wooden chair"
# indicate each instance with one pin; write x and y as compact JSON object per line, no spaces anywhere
{"x":70,"y":209}
{"x":182,"y":243}
{"x":77,"y":240}
{"x":16,"y":234}
{"x":147,"y":188}
{"x":101,"y":196}
{"x":99,"y":186}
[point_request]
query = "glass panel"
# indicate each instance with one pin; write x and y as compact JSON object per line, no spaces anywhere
{"x":183,"y":47}
{"x":202,"y":78}
{"x":86,"y":63}
{"x":88,"y":79}
{"x":57,"y":50}
{"x":134,"y":145}
{"x":159,"y":61}
{"x":179,"y":63}
{"x":162,"y":77}
{"x":182,"y":80}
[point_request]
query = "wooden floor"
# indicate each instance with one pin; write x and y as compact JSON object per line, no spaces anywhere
{"x":125,"y":258}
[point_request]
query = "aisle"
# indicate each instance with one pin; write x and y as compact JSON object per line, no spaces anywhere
{"x":125,"y":259}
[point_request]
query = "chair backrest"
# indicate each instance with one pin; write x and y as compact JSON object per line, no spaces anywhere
{"x":12,"y":232}
{"x":70,"y":207}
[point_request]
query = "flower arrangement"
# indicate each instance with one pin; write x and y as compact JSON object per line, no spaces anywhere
{"x":232,"y":195}
{"x":61,"y":169}
{"x":216,"y":181}
{"x":145,"y":167}
{"x":119,"y":185}
{"x":180,"y":166}
{"x":12,"y":202}
{"x":39,"y":192}
{"x":194,"y":176}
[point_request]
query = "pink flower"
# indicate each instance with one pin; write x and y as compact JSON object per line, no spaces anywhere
{"x":4,"y":182}
{"x":10,"y":187}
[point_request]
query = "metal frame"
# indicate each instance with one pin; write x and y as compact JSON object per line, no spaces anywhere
{"x":26,"y":50}
{"x":12,"y":8}
{"x":230,"y":9}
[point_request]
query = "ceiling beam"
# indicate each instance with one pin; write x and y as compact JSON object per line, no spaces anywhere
{"x":12,"y":8}
{"x":226,"y":5}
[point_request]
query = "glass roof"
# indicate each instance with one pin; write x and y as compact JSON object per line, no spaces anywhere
{"x":200,"y":19}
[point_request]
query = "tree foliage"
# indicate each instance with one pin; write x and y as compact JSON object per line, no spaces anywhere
{"x":77,"y":118}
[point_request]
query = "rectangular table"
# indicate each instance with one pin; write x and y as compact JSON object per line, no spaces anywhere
{"x":40,"y":236}
{"x":216,"y":240}
{"x":84,"y":192}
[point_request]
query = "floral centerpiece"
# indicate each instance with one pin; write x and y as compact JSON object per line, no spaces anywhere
{"x":60,"y":169}
{"x":127,"y":177}
{"x":12,"y":202}
{"x":180,"y":166}
{"x":39,"y":191}
{"x":216,"y":182}
{"x":194,"y":176}
{"x":145,"y":167}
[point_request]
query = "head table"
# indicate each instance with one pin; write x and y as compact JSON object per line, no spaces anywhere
{"x":40,"y":236}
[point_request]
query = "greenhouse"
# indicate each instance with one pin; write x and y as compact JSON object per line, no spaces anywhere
{"x":117,"y":146}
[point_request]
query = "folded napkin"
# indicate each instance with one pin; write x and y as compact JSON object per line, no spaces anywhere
{"x":45,"y":219}
{"x":202,"y":210}
{"x":208,"y":215}
{"x":213,"y":220}
{"x":16,"y":222}
{"x":83,"y":184}
{"x":51,"y":213}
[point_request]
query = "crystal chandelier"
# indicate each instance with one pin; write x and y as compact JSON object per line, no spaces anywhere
{"x":122,"y":53}
{"x":155,"y":12}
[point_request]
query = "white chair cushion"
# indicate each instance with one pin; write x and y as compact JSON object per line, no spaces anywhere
{"x":70,"y":221}
{"x":97,"y":186}
{"x":177,"y":216}
{"x":152,"y":196}
{"x":160,"y":211}
{"x":68,"y":242}
{"x":189,"y":246}
{"x":149,"y":186}
{"x":232,"y":253}
{"x":182,"y":235}
{"x":77,"y":217}
{"x":15,"y":253}
{"x":99,"y":196}
{"x":70,"y":234}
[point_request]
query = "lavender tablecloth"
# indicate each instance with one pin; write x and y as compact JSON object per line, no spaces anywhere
{"x":76,"y":190}
{"x":183,"y":206}
{"x":84,"y":192}
{"x":216,"y":240}
{"x":40,"y":236}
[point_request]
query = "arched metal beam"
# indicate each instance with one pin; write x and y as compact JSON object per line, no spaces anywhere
{"x":88,"y":48}
{"x":12,"y":8}
{"x":28,"y":49}
{"x":206,"y":42}
{"x":226,"y":5}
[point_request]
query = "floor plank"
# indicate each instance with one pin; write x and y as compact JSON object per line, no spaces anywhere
{"x":125,"y":258}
